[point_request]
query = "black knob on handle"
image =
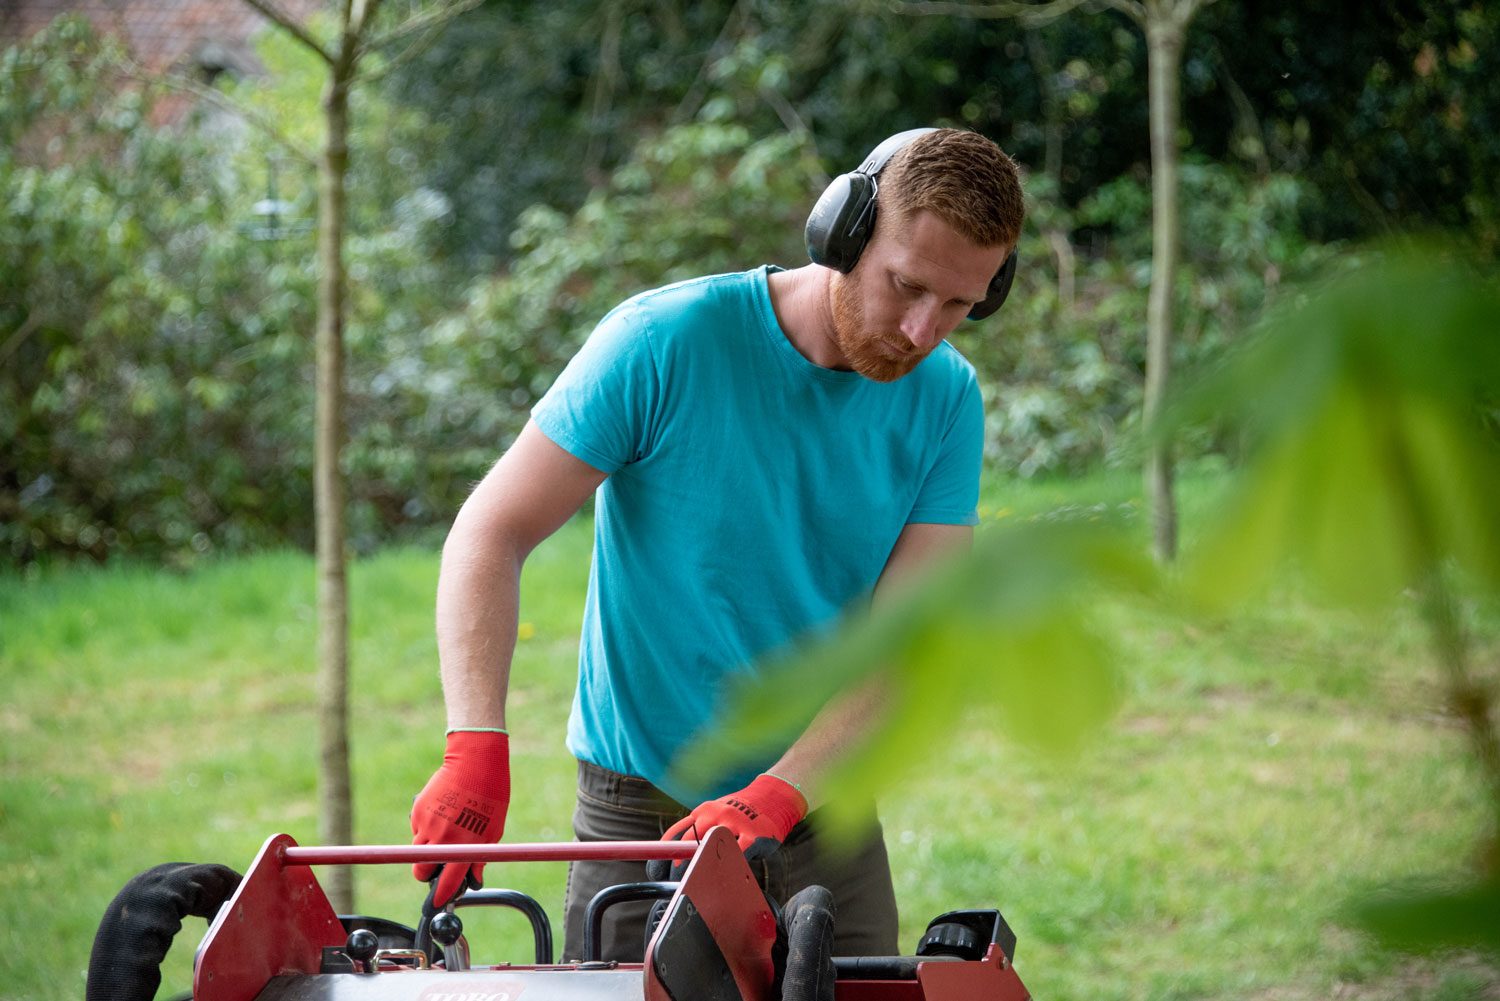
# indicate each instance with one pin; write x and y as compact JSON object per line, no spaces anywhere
{"x":447,"y":928}
{"x":361,"y":947}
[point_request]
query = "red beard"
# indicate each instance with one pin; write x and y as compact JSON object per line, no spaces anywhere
{"x":878,"y":357}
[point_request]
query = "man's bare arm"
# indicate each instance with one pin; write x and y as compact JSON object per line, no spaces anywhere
{"x":534,"y":488}
{"x":848,"y":718}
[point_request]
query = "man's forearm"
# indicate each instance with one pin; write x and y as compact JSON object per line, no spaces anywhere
{"x":478,"y":606}
{"x":530,"y":492}
{"x":852,"y":715}
{"x":841,"y":725}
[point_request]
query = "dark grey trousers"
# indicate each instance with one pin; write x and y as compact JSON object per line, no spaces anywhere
{"x":615,"y":807}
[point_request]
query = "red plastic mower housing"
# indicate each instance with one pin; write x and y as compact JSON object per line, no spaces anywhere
{"x":279,"y":939}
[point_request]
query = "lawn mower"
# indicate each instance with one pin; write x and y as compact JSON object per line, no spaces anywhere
{"x":714,"y":936}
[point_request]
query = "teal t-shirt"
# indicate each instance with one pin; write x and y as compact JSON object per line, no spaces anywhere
{"x":752,"y":498}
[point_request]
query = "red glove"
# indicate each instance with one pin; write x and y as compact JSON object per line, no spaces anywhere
{"x":761,"y":815}
{"x":463,"y":803}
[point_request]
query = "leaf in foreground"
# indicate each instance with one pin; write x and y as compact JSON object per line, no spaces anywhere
{"x":1370,"y":465}
{"x":1433,"y":920}
{"x":1011,"y":627}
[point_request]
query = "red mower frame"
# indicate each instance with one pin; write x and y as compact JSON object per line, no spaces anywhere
{"x":273,"y":939}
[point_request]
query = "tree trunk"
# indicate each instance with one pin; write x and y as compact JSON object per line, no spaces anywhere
{"x":335,"y":796}
{"x":1058,"y":237}
{"x":1164,"y":55}
{"x":336,"y":813}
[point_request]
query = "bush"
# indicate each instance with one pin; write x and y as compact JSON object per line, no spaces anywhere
{"x":696,"y":199}
{"x":1063,"y":363}
{"x":157,"y":379}
{"x":155,"y":360}
{"x":152,"y":377}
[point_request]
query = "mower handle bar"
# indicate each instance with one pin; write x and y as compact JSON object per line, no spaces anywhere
{"x":568,"y":851}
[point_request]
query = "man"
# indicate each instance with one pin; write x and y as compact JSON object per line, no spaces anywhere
{"x":768,"y":449}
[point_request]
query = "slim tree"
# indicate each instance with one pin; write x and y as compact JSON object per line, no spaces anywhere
{"x":1164,"y":23}
{"x":355,"y":37}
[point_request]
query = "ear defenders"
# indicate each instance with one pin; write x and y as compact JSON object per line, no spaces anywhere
{"x":843,"y":219}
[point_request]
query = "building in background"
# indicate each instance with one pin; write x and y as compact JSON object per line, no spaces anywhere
{"x":196,"y":38}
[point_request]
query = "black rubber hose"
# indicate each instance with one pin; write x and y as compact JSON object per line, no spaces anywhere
{"x":808,"y":919}
{"x":142,"y":920}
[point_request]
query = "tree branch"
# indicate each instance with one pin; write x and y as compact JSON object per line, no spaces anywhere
{"x":1188,"y":10}
{"x":430,"y":18}
{"x":1245,"y":118}
{"x":604,"y":91}
{"x":290,"y":24}
{"x":688,"y":106}
{"x":790,"y":120}
{"x":1027,"y":13}
{"x":15,"y":340}
{"x":794,"y":125}
{"x":406,"y":55}
{"x":357,"y":15}
{"x":1133,"y":9}
{"x":356,"y":21}
{"x":177,"y":81}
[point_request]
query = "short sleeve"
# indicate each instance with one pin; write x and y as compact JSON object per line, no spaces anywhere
{"x":601,"y":407}
{"x":950,"y":491}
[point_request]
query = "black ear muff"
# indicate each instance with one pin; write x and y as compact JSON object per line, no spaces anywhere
{"x":843,"y":219}
{"x":999,"y":289}
{"x":841,"y":222}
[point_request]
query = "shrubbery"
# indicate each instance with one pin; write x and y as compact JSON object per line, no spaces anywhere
{"x":1064,"y":362}
{"x":151,"y":386}
{"x":155,"y":359}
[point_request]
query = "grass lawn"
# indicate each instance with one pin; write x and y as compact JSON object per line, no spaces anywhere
{"x":1264,"y":769}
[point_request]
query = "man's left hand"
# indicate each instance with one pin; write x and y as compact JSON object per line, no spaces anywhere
{"x":760,"y":816}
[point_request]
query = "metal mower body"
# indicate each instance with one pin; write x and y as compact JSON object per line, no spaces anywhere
{"x":278,"y":938}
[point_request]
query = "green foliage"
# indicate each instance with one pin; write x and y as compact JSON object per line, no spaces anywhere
{"x":1385,"y":111}
{"x":1370,"y":466}
{"x":1027,"y":646}
{"x":1371,"y":475}
{"x":157,"y":377}
{"x":521,"y":125}
{"x":1388,"y":110}
{"x":693,"y":200}
{"x":410,"y":453}
{"x":151,"y":357}
{"x":1063,"y":362}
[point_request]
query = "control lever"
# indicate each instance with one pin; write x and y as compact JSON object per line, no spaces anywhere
{"x":427,"y":926}
{"x":447,"y":929}
{"x":361,"y":947}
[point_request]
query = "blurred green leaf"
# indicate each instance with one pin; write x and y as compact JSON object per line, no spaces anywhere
{"x":1434,"y":919}
{"x":1010,"y":628}
{"x":1370,"y":466}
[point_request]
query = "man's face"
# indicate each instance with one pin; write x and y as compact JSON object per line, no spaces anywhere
{"x":914,"y":283}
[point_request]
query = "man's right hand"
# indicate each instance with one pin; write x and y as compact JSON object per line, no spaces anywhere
{"x":464,"y":802}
